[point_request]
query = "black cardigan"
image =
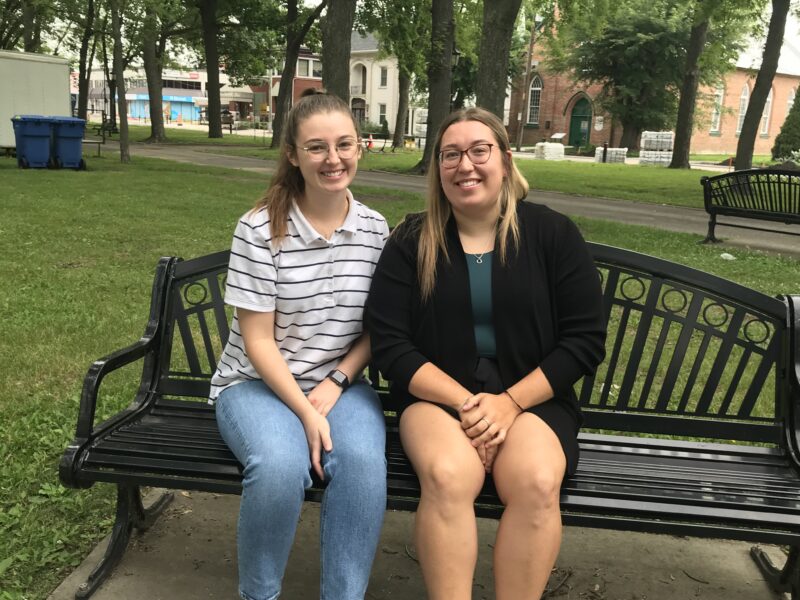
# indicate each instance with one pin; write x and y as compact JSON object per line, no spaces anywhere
{"x":546,"y":303}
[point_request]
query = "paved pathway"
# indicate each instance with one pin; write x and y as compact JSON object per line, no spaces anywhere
{"x":190,"y":553}
{"x":670,"y":218}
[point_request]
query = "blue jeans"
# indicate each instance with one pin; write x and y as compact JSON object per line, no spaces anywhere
{"x":270,"y":442}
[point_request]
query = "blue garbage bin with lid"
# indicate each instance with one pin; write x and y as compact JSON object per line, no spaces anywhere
{"x":68,"y":142}
{"x":32,"y":134}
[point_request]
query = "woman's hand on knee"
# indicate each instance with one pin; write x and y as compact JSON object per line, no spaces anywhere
{"x":318,"y":434}
{"x":486,"y":418}
{"x":324,"y":396}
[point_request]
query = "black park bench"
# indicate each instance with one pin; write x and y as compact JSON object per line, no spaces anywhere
{"x":691,"y":422}
{"x":762,"y":194}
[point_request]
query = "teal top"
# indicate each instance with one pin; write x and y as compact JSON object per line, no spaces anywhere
{"x":480,"y":288}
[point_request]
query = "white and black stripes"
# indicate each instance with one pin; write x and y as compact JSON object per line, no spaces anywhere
{"x":317,"y":289}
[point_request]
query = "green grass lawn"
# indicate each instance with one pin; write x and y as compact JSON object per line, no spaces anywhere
{"x":178,"y":135}
{"x":759,"y":160}
{"x":79,"y":250}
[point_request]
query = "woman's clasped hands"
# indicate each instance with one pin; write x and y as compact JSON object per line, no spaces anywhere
{"x":486,"y":419}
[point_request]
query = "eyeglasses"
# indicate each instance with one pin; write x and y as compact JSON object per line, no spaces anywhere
{"x":345,"y":149}
{"x":477,"y":154}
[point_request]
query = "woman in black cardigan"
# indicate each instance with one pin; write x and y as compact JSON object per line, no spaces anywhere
{"x":483,"y":313}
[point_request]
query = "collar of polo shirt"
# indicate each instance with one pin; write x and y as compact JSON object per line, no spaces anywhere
{"x":309,"y":234}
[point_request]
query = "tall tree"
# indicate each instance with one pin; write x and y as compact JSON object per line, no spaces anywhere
{"x":719,"y":28}
{"x":688,"y":97}
{"x":24,"y":22}
{"x":763,"y":85}
{"x":336,"y":27}
{"x":298,"y":22}
{"x":162,"y":22}
{"x":499,"y":18}
{"x":86,"y":57}
{"x":210,"y":35}
{"x":152,"y":53}
{"x":440,"y":74}
{"x":119,"y":75}
{"x":637,"y":56}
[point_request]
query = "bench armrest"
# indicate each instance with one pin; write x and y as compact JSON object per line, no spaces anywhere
{"x":94,"y":377}
{"x":793,"y":376}
{"x":147,"y":348}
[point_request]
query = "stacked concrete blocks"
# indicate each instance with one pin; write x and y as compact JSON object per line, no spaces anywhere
{"x":613,"y":155}
{"x":656,"y":148}
{"x":549,"y":151}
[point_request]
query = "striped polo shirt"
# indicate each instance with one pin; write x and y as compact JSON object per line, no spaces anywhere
{"x":316,"y":287}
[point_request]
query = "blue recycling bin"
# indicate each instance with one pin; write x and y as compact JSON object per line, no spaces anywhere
{"x":32,"y":134}
{"x":67,"y":150}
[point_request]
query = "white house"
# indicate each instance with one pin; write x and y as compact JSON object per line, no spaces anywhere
{"x":374,"y":87}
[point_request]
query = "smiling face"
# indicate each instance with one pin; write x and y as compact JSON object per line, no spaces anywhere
{"x":326,"y":174}
{"x":470,"y":188}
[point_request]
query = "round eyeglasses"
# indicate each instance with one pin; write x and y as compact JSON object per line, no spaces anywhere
{"x":477,"y":154}
{"x":318,"y":151}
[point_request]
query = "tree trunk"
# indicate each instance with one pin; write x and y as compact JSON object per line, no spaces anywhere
{"x":439,"y":75}
{"x":295,"y":33}
{"x":336,"y":47}
{"x":119,"y":75}
{"x":691,"y":79}
{"x":208,"y":19}
{"x":630,"y":137}
{"x":32,"y":27}
{"x":769,"y":65}
{"x":85,"y":62}
{"x":110,"y":79}
{"x":499,"y":17}
{"x":404,"y":85}
{"x":152,"y":69}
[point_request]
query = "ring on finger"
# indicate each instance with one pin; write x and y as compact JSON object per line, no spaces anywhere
{"x":486,"y":421}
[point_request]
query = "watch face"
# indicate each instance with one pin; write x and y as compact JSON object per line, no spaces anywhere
{"x":338,"y":378}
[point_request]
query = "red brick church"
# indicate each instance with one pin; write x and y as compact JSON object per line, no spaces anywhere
{"x":557,"y":105}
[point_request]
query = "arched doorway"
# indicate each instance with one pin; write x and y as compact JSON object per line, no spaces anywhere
{"x":579,"y":123}
{"x":359,"y":108}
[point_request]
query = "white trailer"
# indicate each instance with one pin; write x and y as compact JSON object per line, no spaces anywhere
{"x":31,"y":84}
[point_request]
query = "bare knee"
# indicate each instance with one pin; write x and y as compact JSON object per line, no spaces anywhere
{"x":536,"y":489}
{"x":450,"y":483}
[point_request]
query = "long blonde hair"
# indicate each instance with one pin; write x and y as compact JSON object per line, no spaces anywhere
{"x":288,"y":182}
{"x":438,"y":210}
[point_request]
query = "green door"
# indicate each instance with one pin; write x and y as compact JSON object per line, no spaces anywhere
{"x":579,"y":123}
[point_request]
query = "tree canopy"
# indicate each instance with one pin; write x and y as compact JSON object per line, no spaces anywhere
{"x":637,"y":57}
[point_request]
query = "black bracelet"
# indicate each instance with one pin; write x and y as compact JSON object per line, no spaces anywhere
{"x":507,"y":393}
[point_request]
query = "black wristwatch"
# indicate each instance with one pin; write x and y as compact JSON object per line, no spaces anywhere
{"x":339,"y":378}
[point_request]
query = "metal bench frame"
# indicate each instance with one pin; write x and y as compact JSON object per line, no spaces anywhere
{"x":763,"y":194}
{"x":691,"y":423}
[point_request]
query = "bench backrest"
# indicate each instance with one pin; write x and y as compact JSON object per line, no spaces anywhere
{"x":688,"y":354}
{"x":758,"y":190}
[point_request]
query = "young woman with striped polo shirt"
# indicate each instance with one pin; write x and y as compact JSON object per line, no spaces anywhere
{"x":288,"y":388}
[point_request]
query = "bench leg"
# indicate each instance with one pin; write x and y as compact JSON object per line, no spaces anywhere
{"x":710,"y":237}
{"x":131,"y":513}
{"x":782,"y":580}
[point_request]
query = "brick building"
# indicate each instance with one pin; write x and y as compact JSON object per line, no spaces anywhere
{"x":557,"y":104}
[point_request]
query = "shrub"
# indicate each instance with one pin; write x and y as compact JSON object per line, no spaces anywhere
{"x":788,"y":140}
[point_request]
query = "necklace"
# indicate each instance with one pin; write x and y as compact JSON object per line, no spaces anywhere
{"x":479,"y":258}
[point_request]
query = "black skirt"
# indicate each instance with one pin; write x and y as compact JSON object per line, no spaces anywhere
{"x":558,"y":414}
